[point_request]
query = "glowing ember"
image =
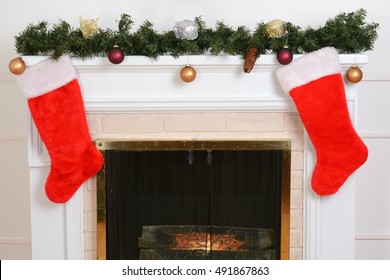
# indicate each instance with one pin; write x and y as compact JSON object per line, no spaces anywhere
{"x":205,"y":241}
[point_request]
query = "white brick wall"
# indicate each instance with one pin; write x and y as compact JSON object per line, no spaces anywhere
{"x":137,"y":124}
{"x":202,"y":122}
{"x":252,"y":122}
{"x":202,"y":126}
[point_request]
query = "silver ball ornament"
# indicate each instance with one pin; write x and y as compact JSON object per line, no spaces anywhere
{"x":185,"y":29}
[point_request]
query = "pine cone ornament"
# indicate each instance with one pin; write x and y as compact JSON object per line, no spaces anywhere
{"x":250,"y":59}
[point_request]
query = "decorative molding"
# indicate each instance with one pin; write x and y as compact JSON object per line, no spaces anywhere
{"x":376,"y":76}
{"x":374,"y":134}
{"x":74,"y":226}
{"x":312,"y":218}
{"x":12,"y":241}
{"x":38,"y":156}
{"x":191,"y":104}
{"x":8,"y":138}
{"x":372,"y":237}
{"x":213,"y":62}
{"x":368,"y":76}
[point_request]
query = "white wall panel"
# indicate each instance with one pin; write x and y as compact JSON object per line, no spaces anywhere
{"x":15,"y":249}
{"x":13,"y":109}
{"x":373,"y":249}
{"x":374,"y":107}
{"x":373,"y":190}
{"x":14,"y":197}
{"x":15,"y":232}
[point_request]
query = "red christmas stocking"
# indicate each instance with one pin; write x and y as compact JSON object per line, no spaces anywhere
{"x":57,"y":108}
{"x":315,"y":84}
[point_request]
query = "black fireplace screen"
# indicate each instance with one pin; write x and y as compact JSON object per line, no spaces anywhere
{"x":193,"y":204}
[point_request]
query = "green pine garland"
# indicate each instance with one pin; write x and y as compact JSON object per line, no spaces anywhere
{"x":347,"y":32}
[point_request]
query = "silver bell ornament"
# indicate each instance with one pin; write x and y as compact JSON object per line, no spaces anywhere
{"x":186,"y":29}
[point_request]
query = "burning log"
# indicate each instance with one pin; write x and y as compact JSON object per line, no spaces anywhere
{"x":206,"y":242}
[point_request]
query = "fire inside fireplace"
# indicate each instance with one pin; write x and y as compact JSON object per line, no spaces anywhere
{"x":194,"y":200}
{"x":206,"y":242}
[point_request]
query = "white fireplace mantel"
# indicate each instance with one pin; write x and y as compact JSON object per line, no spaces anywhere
{"x":141,"y":84}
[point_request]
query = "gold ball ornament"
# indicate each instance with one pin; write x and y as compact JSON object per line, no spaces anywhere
{"x":17,"y":66}
{"x":275,"y":28}
{"x":187,"y":74}
{"x":354,"y":74}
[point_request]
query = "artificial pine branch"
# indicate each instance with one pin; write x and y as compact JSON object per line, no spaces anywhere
{"x":56,"y":38}
{"x":33,"y":40}
{"x":147,"y":40}
{"x":221,"y":35}
{"x":260,"y":39}
{"x":239,"y":41}
{"x":125,"y":24}
{"x":347,"y":32}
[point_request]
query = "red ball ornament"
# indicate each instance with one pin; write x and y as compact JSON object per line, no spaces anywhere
{"x":116,"y":55}
{"x":284,"y":56}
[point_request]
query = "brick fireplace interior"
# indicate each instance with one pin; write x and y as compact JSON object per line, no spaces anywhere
{"x":221,"y":127}
{"x":194,"y":200}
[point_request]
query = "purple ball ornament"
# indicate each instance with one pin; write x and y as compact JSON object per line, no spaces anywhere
{"x":284,"y":56}
{"x":116,"y":55}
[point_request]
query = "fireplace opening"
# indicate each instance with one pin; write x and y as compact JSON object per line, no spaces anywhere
{"x":194,"y":200}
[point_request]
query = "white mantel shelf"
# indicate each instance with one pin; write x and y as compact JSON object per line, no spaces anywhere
{"x":214,"y":62}
{"x":145,"y":84}
{"x":141,"y":84}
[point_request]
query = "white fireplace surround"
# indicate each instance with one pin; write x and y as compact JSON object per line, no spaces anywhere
{"x":145,"y":85}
